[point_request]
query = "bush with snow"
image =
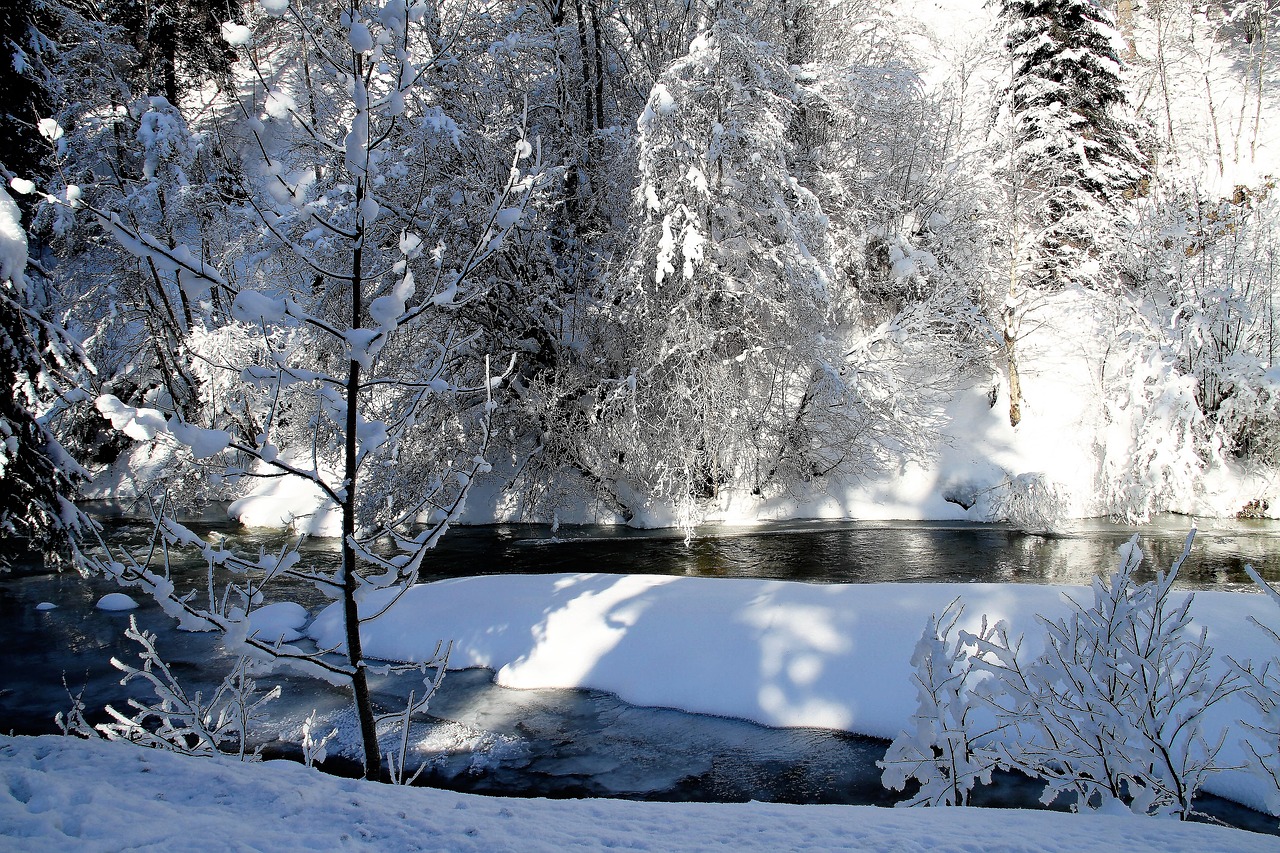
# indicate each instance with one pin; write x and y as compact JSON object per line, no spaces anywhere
{"x":943,"y":750}
{"x":1261,"y":686}
{"x":176,"y":721}
{"x":1112,"y":712}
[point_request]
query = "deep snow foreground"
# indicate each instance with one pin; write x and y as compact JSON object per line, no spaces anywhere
{"x":775,"y":652}
{"x":62,"y":794}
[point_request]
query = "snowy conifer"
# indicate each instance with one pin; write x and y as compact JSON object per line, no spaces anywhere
{"x":37,"y":476}
{"x":1072,"y":146}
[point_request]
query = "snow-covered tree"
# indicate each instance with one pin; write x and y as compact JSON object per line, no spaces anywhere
{"x":37,"y":476}
{"x":742,"y":358}
{"x":1073,"y":150}
{"x":728,"y":292}
{"x":24,"y":98}
{"x":347,"y":335}
{"x":1070,"y":157}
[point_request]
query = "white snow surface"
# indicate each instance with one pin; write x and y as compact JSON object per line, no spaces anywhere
{"x":280,"y":621}
{"x":116,"y":601}
{"x":777,"y":652}
{"x":142,"y":799}
{"x":235,"y":34}
{"x":288,"y":502}
{"x":13,"y":243}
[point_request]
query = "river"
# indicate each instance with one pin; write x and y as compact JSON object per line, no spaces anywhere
{"x":486,"y":739}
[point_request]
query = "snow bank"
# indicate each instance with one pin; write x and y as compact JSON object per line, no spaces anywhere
{"x":148,"y":800}
{"x":776,"y":652}
{"x":288,"y":502}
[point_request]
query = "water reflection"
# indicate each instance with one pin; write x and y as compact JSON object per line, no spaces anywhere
{"x":818,"y":551}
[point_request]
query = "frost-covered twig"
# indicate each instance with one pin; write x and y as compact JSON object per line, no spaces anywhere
{"x":181,"y":723}
{"x":315,"y":749}
{"x":73,"y":721}
{"x":397,"y":761}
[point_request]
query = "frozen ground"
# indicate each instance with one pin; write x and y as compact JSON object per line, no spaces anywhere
{"x":62,"y":794}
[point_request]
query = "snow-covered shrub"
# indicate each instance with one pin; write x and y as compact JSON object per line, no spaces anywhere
{"x":1154,"y":440}
{"x":1112,"y":710}
{"x":1248,"y":421}
{"x":939,"y":750}
{"x":1204,"y":263}
{"x":180,"y":723}
{"x":1261,"y":687}
{"x":1030,"y":501}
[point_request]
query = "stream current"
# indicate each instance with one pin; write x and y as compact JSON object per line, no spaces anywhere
{"x":563,"y":743}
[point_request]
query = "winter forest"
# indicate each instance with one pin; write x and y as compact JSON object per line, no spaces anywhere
{"x":649,"y":263}
{"x":373,"y":270}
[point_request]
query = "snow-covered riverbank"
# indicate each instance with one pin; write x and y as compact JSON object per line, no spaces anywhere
{"x":61,"y":794}
{"x":779,"y":653}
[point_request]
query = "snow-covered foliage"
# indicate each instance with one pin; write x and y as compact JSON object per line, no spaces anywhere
{"x":774,"y":243}
{"x":1261,"y":685}
{"x":1115,"y":708}
{"x":176,"y":722}
{"x":335,"y":340}
{"x":1113,"y":711}
{"x":942,"y":751}
{"x":37,"y":476}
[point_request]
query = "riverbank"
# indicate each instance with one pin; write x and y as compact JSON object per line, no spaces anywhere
{"x":778,"y":653}
{"x":147,"y":800}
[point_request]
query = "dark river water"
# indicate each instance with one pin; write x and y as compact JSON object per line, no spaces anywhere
{"x":558,"y":743}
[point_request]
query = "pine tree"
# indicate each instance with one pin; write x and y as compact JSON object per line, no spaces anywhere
{"x":1071,"y":148}
{"x":23,"y":96}
{"x":37,"y":477}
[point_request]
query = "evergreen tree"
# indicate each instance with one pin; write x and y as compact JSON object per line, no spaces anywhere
{"x":37,"y":477}
{"x":1072,"y":150}
{"x":23,"y":96}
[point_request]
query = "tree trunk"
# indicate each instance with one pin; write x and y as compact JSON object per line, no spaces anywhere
{"x":350,"y":610}
{"x":1015,"y":380}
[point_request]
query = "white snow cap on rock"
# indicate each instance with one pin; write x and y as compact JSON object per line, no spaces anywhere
{"x":116,"y":601}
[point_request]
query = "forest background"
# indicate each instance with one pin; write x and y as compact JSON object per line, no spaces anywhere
{"x":648,"y":262}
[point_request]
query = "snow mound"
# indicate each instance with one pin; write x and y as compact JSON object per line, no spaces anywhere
{"x":779,"y":653}
{"x":116,"y":601}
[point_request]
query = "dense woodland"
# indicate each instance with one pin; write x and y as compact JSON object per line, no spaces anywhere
{"x":646,"y":252}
